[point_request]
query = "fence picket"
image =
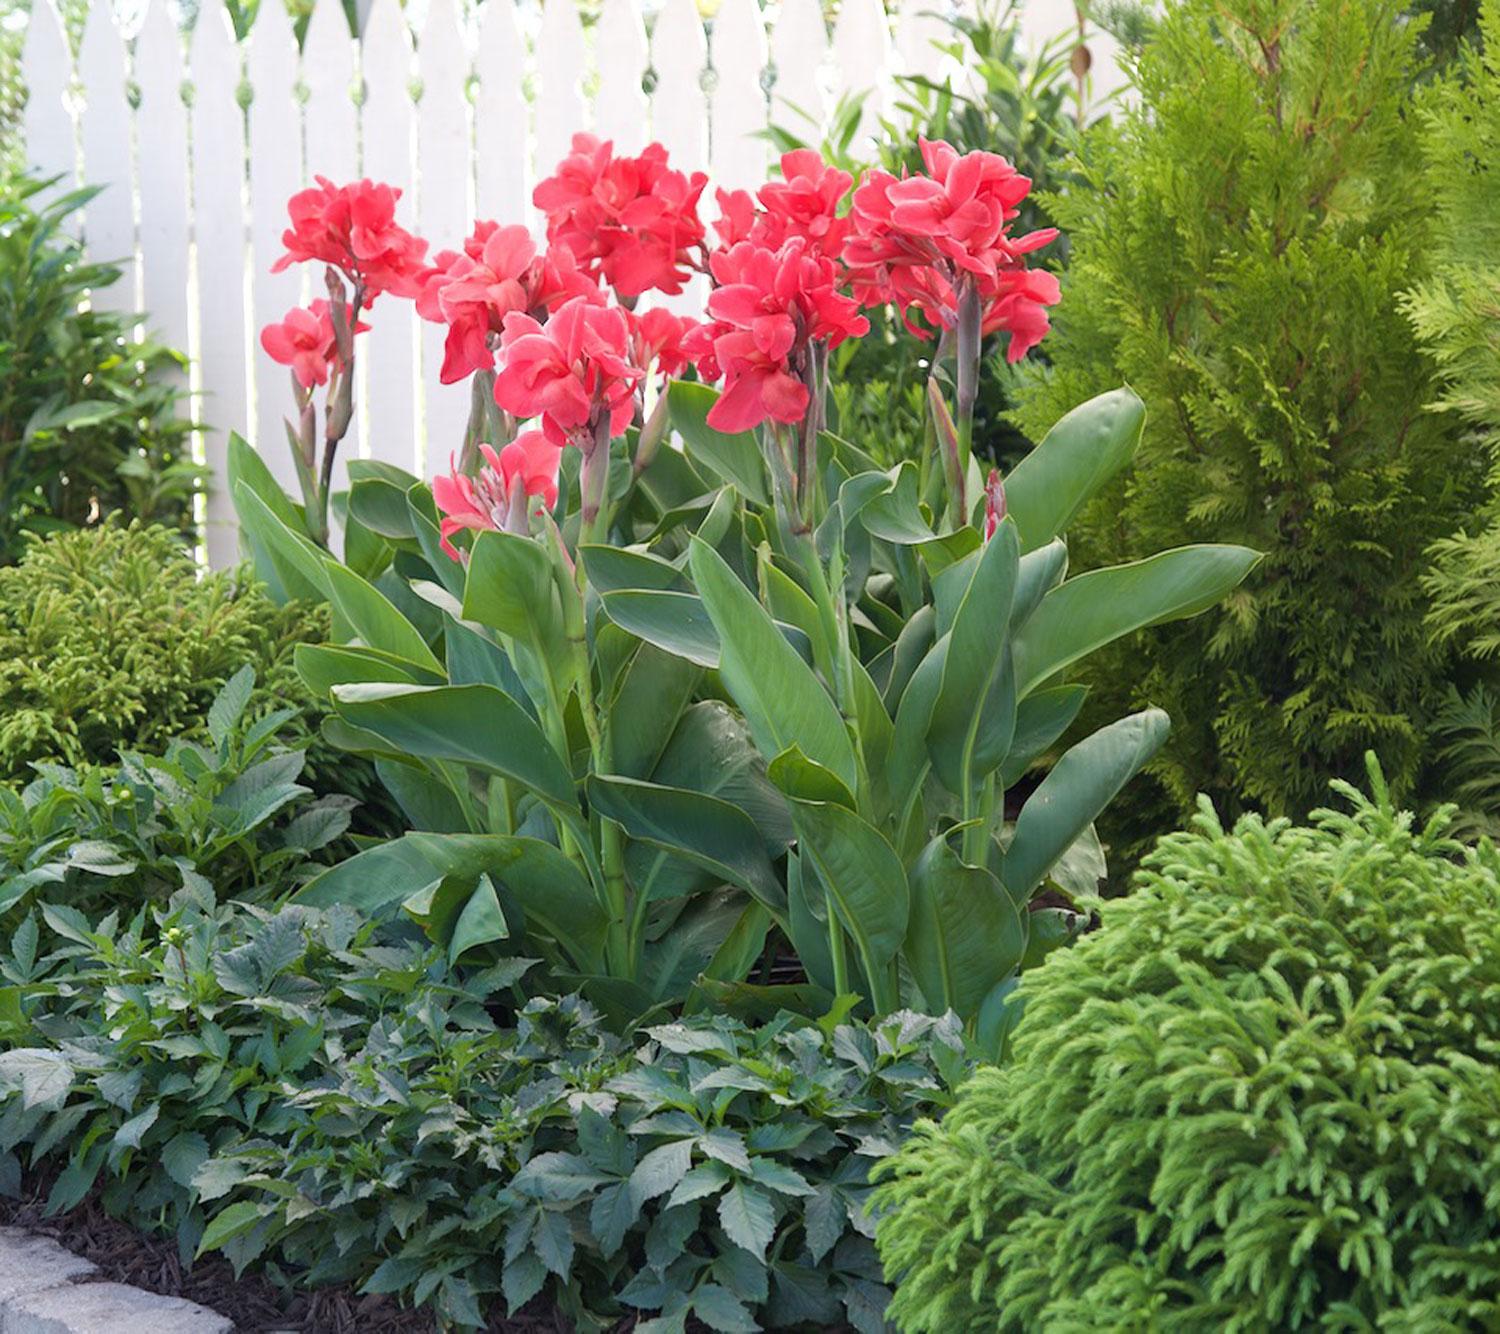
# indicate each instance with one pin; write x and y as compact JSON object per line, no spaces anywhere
{"x":388,"y":397}
{"x":740,"y":154}
{"x":861,"y":54}
{"x":679,"y":112}
{"x":920,"y":29}
{"x":560,"y":109}
{"x":328,"y":72}
{"x":443,"y":211}
{"x":222,"y":250}
{"x":47,"y":69}
{"x":620,"y":47}
{"x":109,"y":218}
{"x":799,"y":46}
{"x":501,"y":116}
{"x":275,"y":175}
{"x":164,"y":179}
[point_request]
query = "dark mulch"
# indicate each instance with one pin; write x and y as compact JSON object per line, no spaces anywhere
{"x":253,"y":1302}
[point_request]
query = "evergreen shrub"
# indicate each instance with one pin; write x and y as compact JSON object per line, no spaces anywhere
{"x":1239,"y":243}
{"x":1263,"y":1095}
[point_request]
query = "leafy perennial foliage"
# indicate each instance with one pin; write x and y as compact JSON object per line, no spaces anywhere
{"x":561,"y":737}
{"x":1264,"y":1095}
{"x":300,"y":1090}
{"x":227,"y":816}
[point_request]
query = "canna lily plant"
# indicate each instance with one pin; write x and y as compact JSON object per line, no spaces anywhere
{"x":680,"y":692}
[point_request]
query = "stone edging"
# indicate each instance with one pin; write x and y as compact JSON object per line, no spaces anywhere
{"x":45,"y":1289}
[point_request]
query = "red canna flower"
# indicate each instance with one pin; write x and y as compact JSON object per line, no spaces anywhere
{"x":769,"y":306}
{"x":353,"y":227}
{"x":497,"y":497}
{"x":305,"y":341}
{"x":574,"y":372}
{"x":632,"y":221}
{"x":918,"y":241}
{"x":804,"y":203}
{"x":658,"y":338}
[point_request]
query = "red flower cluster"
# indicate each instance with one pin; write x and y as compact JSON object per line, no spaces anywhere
{"x":631,"y":221}
{"x":498,"y":272}
{"x":659,"y":338}
{"x":305,"y":341}
{"x":574,"y":372}
{"x":804,"y":203}
{"x":354,"y":228}
{"x":496,"y":498}
{"x":918,"y":240}
{"x":768,"y":306}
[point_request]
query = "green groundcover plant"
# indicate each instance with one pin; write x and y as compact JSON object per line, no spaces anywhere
{"x":111,"y":639}
{"x":1237,"y":258}
{"x":1263,"y":1095}
{"x":305,"y":1092}
{"x":89,"y":416}
{"x":736,"y":722}
{"x":226,"y":815}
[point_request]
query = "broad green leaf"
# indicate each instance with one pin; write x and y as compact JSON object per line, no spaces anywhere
{"x":481,"y":922}
{"x":377,"y":498}
{"x":896,"y":515}
{"x":782,"y":700}
{"x":374,"y":618}
{"x":1040,"y":571}
{"x":229,"y":1223}
{"x":679,"y":623}
{"x":708,"y":832}
{"x":864,"y":878}
{"x":647,"y":708}
{"x":1090,"y":610}
{"x":229,"y":704}
{"x":966,"y":934}
{"x":748,"y":1217}
{"x":1041,"y":718}
{"x":1082,"y":783}
{"x":476,"y":725}
{"x":297,"y":564}
{"x":511,"y":588}
{"x":676,"y":622}
{"x":974,"y":715}
{"x":610,"y":569}
{"x":712,"y":751}
{"x":550,"y":890}
{"x":323,"y":666}
{"x":735,"y":458}
{"x":1076,"y":458}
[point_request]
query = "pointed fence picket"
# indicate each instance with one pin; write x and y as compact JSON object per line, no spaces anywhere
{"x":199,"y":139}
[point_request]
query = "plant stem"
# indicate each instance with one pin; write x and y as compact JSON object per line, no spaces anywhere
{"x":967,"y":350}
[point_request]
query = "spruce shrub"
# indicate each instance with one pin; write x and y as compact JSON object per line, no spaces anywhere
{"x":1239,"y":244}
{"x":111,"y":639}
{"x":1263,"y":1095}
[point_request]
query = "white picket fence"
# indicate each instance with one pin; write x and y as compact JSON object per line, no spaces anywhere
{"x":462,"y":107}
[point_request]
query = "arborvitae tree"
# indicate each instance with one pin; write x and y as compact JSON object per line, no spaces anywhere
{"x":1456,"y":315}
{"x":1263,"y":1095}
{"x":1239,"y":243}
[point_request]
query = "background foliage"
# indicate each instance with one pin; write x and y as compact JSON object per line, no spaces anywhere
{"x":1262,"y":1096}
{"x":89,"y":417}
{"x":110,"y":639}
{"x":1237,"y":255}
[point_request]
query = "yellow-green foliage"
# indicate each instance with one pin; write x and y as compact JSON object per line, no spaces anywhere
{"x":110,"y":639}
{"x":1264,"y":1095}
{"x":1456,"y":317}
{"x":1238,"y":252}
